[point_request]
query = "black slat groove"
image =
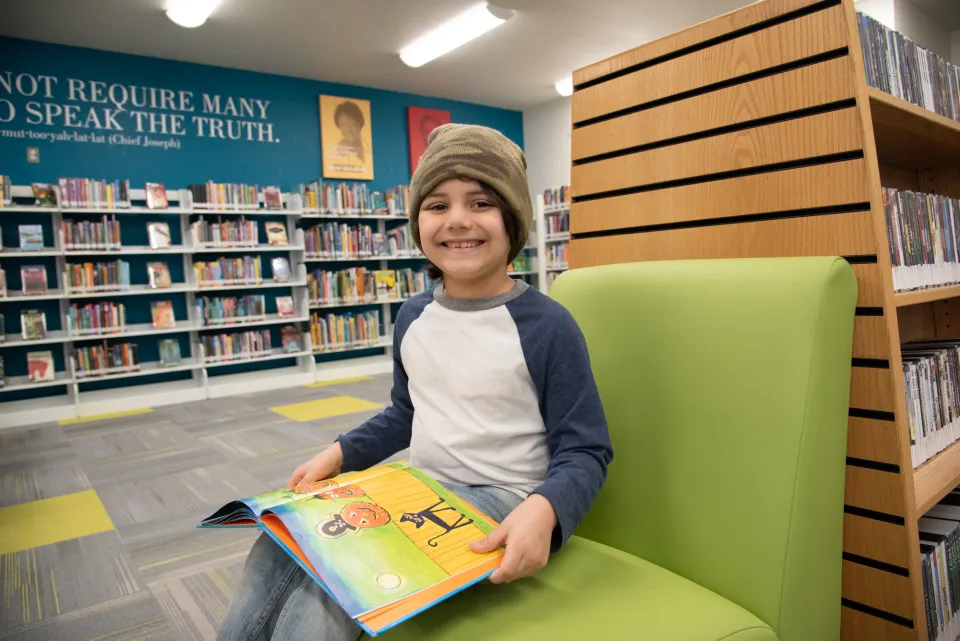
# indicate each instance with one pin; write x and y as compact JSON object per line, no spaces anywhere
{"x":875,"y":612}
{"x":876,"y":415}
{"x":869,"y":311}
{"x":873,"y":465}
{"x":872,"y":363}
{"x":876,"y":565}
{"x":873,"y":514}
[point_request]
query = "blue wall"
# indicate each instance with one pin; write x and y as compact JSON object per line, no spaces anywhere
{"x":293,"y":112}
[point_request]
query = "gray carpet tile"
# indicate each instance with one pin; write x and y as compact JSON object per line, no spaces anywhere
{"x":136,"y":617}
{"x":48,"y":581}
{"x":288,"y":436}
{"x":35,"y":482}
{"x":133,"y":441}
{"x":120,"y":424}
{"x":150,"y":463}
{"x":253,"y":420}
{"x":195,"y":604}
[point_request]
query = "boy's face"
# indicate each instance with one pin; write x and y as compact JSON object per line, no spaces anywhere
{"x":462,"y":231}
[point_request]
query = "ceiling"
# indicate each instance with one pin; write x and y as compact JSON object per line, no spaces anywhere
{"x":356,"y":41}
{"x":945,"y":13}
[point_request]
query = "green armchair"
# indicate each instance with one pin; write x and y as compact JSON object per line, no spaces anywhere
{"x":726,"y":386}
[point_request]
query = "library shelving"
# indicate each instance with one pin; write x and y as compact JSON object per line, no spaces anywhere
{"x":553,"y":224}
{"x":755,"y":134}
{"x":197,"y":375}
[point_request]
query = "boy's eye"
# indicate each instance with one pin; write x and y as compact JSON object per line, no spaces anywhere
{"x":436,"y":207}
{"x":483,"y":204}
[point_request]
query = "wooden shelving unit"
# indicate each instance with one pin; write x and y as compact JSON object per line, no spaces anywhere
{"x":755,"y":135}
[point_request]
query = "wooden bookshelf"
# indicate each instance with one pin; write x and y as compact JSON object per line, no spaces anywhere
{"x":755,"y":135}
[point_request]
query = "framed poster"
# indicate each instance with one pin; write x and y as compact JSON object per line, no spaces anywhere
{"x":346,"y":138}
{"x":420,"y":123}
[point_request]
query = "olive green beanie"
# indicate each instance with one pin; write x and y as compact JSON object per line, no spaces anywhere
{"x":480,"y":153}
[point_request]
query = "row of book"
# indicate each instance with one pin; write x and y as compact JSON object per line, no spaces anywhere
{"x":88,"y":193}
{"x":225,"y":232}
{"x":6,"y":192}
{"x":95,"y":318}
{"x":931,"y":376}
{"x":520,"y":264}
{"x":211,"y":195}
{"x":238,"y":269}
{"x":939,"y":531}
{"x":93,"y":276}
{"x":87,"y":234}
{"x":899,"y":66}
{"x":557,"y":196}
{"x":340,"y":240}
{"x":250,"y":344}
{"x":334,"y":332}
{"x":556,"y":255}
{"x":923,"y":234}
{"x":104,"y":359}
{"x":237,"y":309}
{"x":354,"y":199}
{"x":557,"y":224}
{"x":360,"y":285}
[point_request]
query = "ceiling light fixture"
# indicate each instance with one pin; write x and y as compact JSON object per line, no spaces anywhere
{"x":564,"y":87}
{"x":460,"y":30}
{"x":190,"y":13}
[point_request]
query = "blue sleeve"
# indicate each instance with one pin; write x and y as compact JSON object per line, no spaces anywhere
{"x":577,"y":434}
{"x":389,"y":431}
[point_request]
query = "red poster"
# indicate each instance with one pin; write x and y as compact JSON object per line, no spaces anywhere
{"x":421,"y":122}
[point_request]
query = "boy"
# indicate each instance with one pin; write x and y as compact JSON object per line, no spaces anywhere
{"x":493,"y":391}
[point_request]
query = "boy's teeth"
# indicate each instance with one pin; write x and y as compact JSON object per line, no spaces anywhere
{"x":463,"y":244}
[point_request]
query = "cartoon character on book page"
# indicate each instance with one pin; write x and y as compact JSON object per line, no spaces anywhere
{"x":381,"y":539}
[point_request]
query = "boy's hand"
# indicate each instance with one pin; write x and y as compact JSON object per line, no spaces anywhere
{"x":526,"y":533}
{"x":324,"y":465}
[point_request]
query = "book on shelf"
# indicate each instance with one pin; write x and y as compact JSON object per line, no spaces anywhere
{"x":40,"y":366}
{"x":309,"y":195}
{"x":345,"y":199}
{"x":86,"y":234}
{"x":236,"y":346}
{"x":3,"y":336}
{"x":898,"y":66}
{"x":276,"y":233}
{"x":6,"y":192}
{"x":33,"y":324}
{"x":557,"y":224}
{"x":225,"y":309}
{"x":31,"y":237}
{"x":158,"y":235}
{"x":557,"y":197}
{"x":281,"y":268}
{"x":156,"y":196}
{"x":520,"y":264}
{"x":33,"y":280}
{"x":386,"y":283}
{"x":939,"y":531}
{"x":103,"y":276}
{"x":285,"y":307}
{"x":2,"y":382}
{"x":291,"y":339}
{"x":923,"y":234}
{"x":409,"y":529}
{"x":169,"y":349}
{"x":400,"y":242}
{"x":158,"y":275}
{"x":45,"y":194}
{"x":339,"y":240}
{"x":556,"y":255}
{"x":3,"y":283}
{"x":242,"y":268}
{"x":397,"y":200}
{"x":106,"y":360}
{"x":226,"y":233}
{"x":332,"y":332}
{"x":96,"y":318}
{"x":224,"y":196}
{"x":85,"y":193}
{"x":353,"y":285}
{"x":272,"y":198}
{"x":931,"y":376}
{"x":161,"y":314}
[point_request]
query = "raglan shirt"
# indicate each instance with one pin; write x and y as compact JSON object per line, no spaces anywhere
{"x":494,"y":391}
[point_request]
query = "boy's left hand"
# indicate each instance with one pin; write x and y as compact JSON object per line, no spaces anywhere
{"x":526,"y":533}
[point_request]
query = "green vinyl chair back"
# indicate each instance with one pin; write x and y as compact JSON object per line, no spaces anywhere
{"x":725,"y":385}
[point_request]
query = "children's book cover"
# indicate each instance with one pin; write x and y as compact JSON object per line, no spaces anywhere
{"x":31,"y":237}
{"x":385,"y":543}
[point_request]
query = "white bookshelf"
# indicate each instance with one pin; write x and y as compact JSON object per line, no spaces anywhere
{"x":547,"y":271}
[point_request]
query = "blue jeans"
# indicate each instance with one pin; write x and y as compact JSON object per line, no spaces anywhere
{"x":276,"y":599}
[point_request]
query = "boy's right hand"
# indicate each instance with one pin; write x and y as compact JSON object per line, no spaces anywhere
{"x":324,"y":465}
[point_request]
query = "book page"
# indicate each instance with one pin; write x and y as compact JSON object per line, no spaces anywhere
{"x":384,"y":538}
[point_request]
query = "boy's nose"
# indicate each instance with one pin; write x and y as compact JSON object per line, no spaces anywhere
{"x":458,"y":217}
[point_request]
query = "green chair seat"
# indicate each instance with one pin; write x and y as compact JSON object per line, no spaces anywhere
{"x":588,"y":592}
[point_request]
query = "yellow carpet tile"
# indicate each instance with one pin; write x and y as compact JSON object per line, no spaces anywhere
{"x":103,"y":417}
{"x":340,"y":381}
{"x":30,"y":525}
{"x":325,"y":408}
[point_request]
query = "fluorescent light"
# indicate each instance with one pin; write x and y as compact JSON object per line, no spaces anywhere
{"x":190,"y":13}
{"x":564,"y":87}
{"x":470,"y":24}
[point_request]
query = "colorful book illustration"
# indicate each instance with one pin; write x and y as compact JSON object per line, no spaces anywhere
{"x":281,"y":268}
{"x":292,"y":339}
{"x":285,"y":308}
{"x":386,"y":280}
{"x":40,"y":366}
{"x":161,"y":311}
{"x":169,"y":352}
{"x":276,"y":233}
{"x":31,"y":237}
{"x":412,"y":534}
{"x":159,"y":274}
{"x":33,"y":325}
{"x":156,"y":196}
{"x":45,"y":195}
{"x":33,"y":279}
{"x":159,"y":235}
{"x":271,"y":198}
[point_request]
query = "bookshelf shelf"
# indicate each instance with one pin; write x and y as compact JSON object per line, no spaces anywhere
{"x":909,"y":136}
{"x":557,"y":238}
{"x":17,"y":297}
{"x":264,"y":284}
{"x":132,"y":290}
{"x":353,"y":216}
{"x":320,"y":305}
{"x":241,"y":212}
{"x":271,"y":319}
{"x":146,"y":369}
{"x":385,"y":341}
{"x":905,"y":299}
{"x":358,"y":259}
{"x":20,"y":383}
{"x":556,"y":268}
{"x":26,"y":209}
{"x":525,"y":272}
{"x":272,"y":355}
{"x":127,"y":251}
{"x":136,"y":329}
{"x":29,"y":253}
{"x":52,"y":337}
{"x":172,"y":211}
{"x":263,"y":247}
{"x":937,"y":477}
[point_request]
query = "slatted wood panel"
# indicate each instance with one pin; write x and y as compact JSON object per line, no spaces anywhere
{"x":718,"y":143}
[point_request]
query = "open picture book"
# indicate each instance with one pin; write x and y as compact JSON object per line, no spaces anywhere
{"x":385,"y":543}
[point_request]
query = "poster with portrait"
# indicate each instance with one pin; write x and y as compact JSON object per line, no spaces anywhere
{"x":421,"y":122}
{"x":346,"y":138}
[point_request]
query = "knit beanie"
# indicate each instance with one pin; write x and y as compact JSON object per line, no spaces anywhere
{"x":484,"y":155}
